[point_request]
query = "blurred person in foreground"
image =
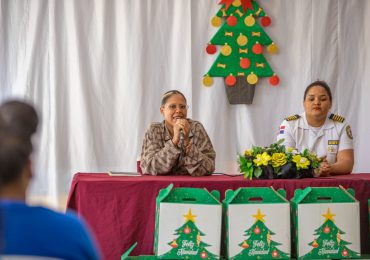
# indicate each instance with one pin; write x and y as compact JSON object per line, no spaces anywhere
{"x":321,"y":132}
{"x":32,"y":230}
{"x":177,"y":145}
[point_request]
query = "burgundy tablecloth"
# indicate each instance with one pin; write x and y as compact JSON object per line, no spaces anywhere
{"x":121,"y":210}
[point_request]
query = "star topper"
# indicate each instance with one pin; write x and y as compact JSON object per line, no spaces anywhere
{"x":190,"y":216}
{"x":328,"y":215}
{"x":259,"y":216}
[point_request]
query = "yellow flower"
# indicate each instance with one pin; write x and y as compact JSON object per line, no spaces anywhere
{"x":262,"y":159}
{"x":301,"y":162}
{"x":290,"y":149}
{"x":248,"y":152}
{"x":278,"y":159}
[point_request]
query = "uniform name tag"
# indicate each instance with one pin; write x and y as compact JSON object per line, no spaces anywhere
{"x":333,"y":142}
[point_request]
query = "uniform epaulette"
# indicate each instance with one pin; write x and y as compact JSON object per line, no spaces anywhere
{"x":336,"y":118}
{"x":291,"y":118}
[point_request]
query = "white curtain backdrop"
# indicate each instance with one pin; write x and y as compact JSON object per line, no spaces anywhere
{"x":96,"y":70}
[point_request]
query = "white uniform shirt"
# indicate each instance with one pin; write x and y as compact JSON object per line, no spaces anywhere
{"x":327,"y":141}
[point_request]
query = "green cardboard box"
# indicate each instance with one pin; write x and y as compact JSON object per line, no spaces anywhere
{"x":326,"y":223}
{"x":188,"y":224}
{"x":256,"y":224}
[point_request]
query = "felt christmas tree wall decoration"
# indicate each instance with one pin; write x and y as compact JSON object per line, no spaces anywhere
{"x":188,"y":244}
{"x":241,"y":40}
{"x":259,"y":243}
{"x":329,"y":242}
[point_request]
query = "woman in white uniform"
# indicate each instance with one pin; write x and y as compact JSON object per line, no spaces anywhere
{"x":320,"y":132}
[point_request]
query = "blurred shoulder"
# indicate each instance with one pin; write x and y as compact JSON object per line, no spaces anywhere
{"x":70,"y":217}
{"x":55,"y":218}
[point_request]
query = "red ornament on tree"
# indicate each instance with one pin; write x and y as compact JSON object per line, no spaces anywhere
{"x":231,"y":20}
{"x":211,"y":49}
{"x":257,"y":230}
{"x":203,"y":255}
{"x":275,"y":253}
{"x":344,"y":253}
{"x":265,"y":21}
{"x":230,"y":80}
{"x":257,"y":48}
{"x":245,"y":63}
{"x":187,"y":230}
{"x":326,"y":230}
{"x":274,"y":80}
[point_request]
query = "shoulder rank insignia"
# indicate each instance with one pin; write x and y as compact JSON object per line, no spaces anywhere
{"x":291,"y":118}
{"x":336,"y":118}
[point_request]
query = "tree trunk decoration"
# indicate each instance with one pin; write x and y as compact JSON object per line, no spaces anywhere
{"x":241,"y":93}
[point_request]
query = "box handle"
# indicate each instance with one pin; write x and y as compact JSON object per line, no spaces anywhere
{"x":255,"y":199}
{"x":189,"y":199}
{"x":324,"y":198}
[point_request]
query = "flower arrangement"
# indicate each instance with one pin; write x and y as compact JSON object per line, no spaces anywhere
{"x":277,"y":162}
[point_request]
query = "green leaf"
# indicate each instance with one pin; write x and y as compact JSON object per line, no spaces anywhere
{"x":244,"y":164}
{"x":257,"y":172}
{"x":305,"y":153}
{"x":242,"y":159}
{"x":247,"y":174}
{"x":249,"y":165}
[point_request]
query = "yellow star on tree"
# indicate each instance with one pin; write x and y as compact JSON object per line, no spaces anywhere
{"x":259,"y":216}
{"x":328,"y":215}
{"x":190,"y":216}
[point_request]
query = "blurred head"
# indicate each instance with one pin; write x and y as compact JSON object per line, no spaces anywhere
{"x":14,"y":158}
{"x":317,"y":100}
{"x":18,"y":122}
{"x":20,"y":118}
{"x":173,"y":107}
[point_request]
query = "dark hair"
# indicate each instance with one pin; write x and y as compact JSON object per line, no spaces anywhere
{"x":320,"y":83}
{"x":18,"y":121}
{"x":169,"y":94}
{"x":14,"y":154}
{"x":20,"y":118}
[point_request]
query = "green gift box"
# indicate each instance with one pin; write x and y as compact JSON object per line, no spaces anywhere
{"x":326,"y":223}
{"x":256,"y":224}
{"x":188,"y":224}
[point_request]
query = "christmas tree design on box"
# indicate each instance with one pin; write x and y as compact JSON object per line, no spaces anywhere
{"x":188,"y":224}
{"x":326,"y":223}
{"x":189,"y":241}
{"x":257,"y":224}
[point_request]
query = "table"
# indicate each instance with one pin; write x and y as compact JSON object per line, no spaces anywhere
{"x":121,"y":210}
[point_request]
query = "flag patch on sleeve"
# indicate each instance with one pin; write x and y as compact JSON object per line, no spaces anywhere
{"x":282,"y":128}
